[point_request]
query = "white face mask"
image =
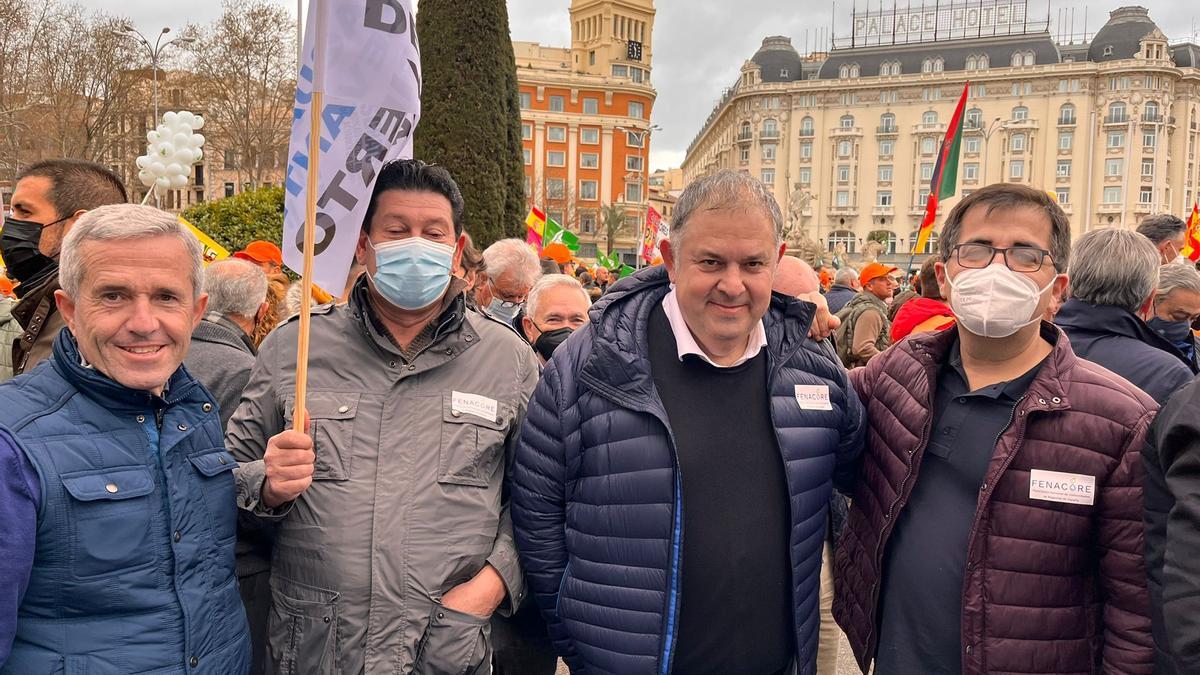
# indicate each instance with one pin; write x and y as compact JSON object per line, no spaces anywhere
{"x":995,"y":301}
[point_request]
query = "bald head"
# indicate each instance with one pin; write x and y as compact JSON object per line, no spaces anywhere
{"x":795,"y":277}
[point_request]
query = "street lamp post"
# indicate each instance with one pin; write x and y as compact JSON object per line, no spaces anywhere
{"x":987,"y":137}
{"x":642,"y":136}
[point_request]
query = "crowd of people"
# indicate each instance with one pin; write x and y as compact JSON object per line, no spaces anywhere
{"x":719,"y":464}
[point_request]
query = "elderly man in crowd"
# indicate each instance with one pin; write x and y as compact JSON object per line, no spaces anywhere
{"x":1168,"y":234}
{"x":398,"y":554}
{"x":117,"y":501}
{"x":1176,"y":309}
{"x":510,"y":268}
{"x":845,"y":287}
{"x":557,"y":306}
{"x":49,"y":197}
{"x":692,"y":404}
{"x":1006,"y":464}
{"x":865,"y":331}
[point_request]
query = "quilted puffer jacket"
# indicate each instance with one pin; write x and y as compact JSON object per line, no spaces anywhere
{"x":596,"y":497}
{"x":1049,"y":587}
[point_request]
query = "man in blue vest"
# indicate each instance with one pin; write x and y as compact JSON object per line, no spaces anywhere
{"x":117,"y":497}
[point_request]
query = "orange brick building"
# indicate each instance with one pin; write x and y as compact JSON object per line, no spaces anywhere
{"x":585,"y":118}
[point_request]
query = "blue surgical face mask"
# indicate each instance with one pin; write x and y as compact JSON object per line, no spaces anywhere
{"x":412,"y":273}
{"x":1178,"y":333}
{"x":504,"y":310}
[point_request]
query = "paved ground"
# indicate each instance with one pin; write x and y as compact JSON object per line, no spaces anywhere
{"x":846,"y":665}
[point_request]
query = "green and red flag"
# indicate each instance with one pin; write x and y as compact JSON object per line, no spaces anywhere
{"x":1191,"y":248}
{"x":536,"y":222}
{"x":945,"y":172}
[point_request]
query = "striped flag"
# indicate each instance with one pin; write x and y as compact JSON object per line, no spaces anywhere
{"x":945,"y":172}
{"x":536,"y":222}
{"x":1191,"y":249}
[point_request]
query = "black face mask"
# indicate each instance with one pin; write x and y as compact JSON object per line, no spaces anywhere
{"x":19,"y":248}
{"x":548,"y":341}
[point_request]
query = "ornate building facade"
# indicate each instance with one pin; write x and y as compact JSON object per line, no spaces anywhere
{"x":848,"y":137}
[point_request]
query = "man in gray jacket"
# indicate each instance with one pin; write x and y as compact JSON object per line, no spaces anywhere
{"x":402,"y":548}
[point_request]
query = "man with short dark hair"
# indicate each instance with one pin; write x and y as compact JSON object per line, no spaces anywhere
{"x":396,"y":557}
{"x":994,"y":526}
{"x":48,"y":198}
{"x":1168,"y":234}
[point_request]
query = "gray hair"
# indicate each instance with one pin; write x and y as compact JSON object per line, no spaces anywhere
{"x":724,"y":189}
{"x":545,"y":283}
{"x":1114,"y":267}
{"x":846,"y":276}
{"x":508,"y":255}
{"x":292,"y":299}
{"x":122,"y":222}
{"x":1173,"y":276}
{"x":236,"y":287}
{"x":1161,"y":227}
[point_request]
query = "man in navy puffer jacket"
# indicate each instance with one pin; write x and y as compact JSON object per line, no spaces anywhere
{"x":671,"y":486}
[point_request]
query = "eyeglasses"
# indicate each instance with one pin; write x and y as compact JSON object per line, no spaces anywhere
{"x":1018,"y":258}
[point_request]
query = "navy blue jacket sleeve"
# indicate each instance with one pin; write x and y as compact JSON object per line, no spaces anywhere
{"x":539,"y":502}
{"x":20,"y":493}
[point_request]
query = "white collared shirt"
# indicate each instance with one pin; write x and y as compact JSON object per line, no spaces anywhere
{"x":685,"y":342}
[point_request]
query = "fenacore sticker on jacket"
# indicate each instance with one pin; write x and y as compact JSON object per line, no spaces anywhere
{"x":473,"y":404}
{"x":1068,"y":488}
{"x":813,"y":397}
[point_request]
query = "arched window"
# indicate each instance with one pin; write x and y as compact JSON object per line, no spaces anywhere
{"x":847,"y":122}
{"x":895,"y":67}
{"x":1066,"y":114}
{"x":939,"y":64}
{"x":886,"y":237}
{"x":927,"y":66}
{"x":1017,"y":59}
{"x":1017,"y":143}
{"x":746,"y":130}
{"x":972,"y":63}
{"x":1030,"y":59}
{"x":806,"y":126}
{"x":974,"y":119}
{"x":1020,"y":113}
{"x":929,"y":117}
{"x":928,"y":146}
{"x":887,"y":122}
{"x":854,"y":70}
{"x":983,"y":61}
{"x":930,"y":244}
{"x":1150,"y":111}
{"x":845,"y":148}
{"x":770,"y":128}
{"x":845,"y":238}
{"x":844,"y":71}
{"x":1116,"y":112}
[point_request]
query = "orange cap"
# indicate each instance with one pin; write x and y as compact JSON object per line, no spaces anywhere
{"x":261,"y":251}
{"x":874,"y":271}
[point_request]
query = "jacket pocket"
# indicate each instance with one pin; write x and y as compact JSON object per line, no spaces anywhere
{"x":218,"y":496}
{"x":331,"y":426}
{"x":110,"y":512}
{"x":454,"y":643}
{"x":302,"y":629}
{"x":471,"y":446}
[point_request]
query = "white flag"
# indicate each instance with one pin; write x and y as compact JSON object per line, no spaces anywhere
{"x":363,"y":55}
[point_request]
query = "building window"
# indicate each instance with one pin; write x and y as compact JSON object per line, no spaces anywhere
{"x":589,"y":160}
{"x":229,"y":189}
{"x":528,"y":155}
{"x":1016,"y":169}
{"x":929,"y":117}
{"x":1063,"y":169}
{"x":883,"y":198}
{"x":843,"y":198}
{"x":591,"y":106}
{"x":1116,"y":113}
{"x":633,"y":140}
{"x":1145,"y":195}
{"x":1064,"y":196}
{"x":768,"y":176}
{"x":1066,"y":140}
{"x":633,"y":193}
{"x":885,"y":173}
{"x":768,"y":151}
{"x":637,"y":109}
{"x":971,"y":171}
{"x":806,"y":150}
{"x":528,"y":187}
{"x":230,"y":159}
{"x":556,"y":134}
{"x":846,"y":122}
{"x":770,"y":128}
{"x":844,"y":71}
{"x":931,"y":244}
{"x":1020,"y":113}
{"x":844,"y":238}
{"x":1116,"y":139}
{"x":556,"y":158}
{"x":1150,"y":112}
{"x":745,"y":154}
{"x":556,"y":188}
{"x":589,"y":136}
{"x":926,"y":170}
{"x":1066,"y":114}
{"x":1148,"y":138}
{"x":588,"y":190}
{"x":928,"y":146}
{"x":1148,"y":168}
{"x":587,"y":222}
{"x":1112,"y":195}
{"x":1017,"y":143}
{"x":845,"y":148}
{"x":887,"y":148}
{"x":526,"y":131}
{"x":805,"y":176}
{"x":556,"y":104}
{"x":843,"y":173}
{"x":633,"y":163}
{"x":972,"y":145}
{"x":636,"y":74}
{"x":620,"y":71}
{"x":783,"y":73}
{"x":806,"y":126}
{"x":887,"y":122}
{"x":1113,"y":167}
{"x":526,"y":101}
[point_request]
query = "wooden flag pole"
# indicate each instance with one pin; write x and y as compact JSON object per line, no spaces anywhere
{"x":299,"y":418}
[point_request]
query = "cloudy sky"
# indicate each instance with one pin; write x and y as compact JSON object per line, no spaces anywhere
{"x":699,"y":45}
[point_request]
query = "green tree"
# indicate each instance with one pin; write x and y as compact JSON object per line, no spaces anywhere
{"x":613,"y":218}
{"x":236,"y":221}
{"x":470,"y":111}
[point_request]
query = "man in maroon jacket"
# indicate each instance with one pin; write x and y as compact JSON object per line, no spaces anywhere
{"x":996,"y":526}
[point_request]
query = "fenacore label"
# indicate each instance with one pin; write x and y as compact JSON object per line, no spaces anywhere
{"x":1067,"y":488}
{"x":473,"y":404}
{"x":813,"y":397}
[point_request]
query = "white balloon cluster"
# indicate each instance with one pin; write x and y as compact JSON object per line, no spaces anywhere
{"x":173,"y":148}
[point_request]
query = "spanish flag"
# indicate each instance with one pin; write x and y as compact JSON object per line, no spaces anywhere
{"x":1191,"y":248}
{"x":945,"y":171}
{"x":536,"y":222}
